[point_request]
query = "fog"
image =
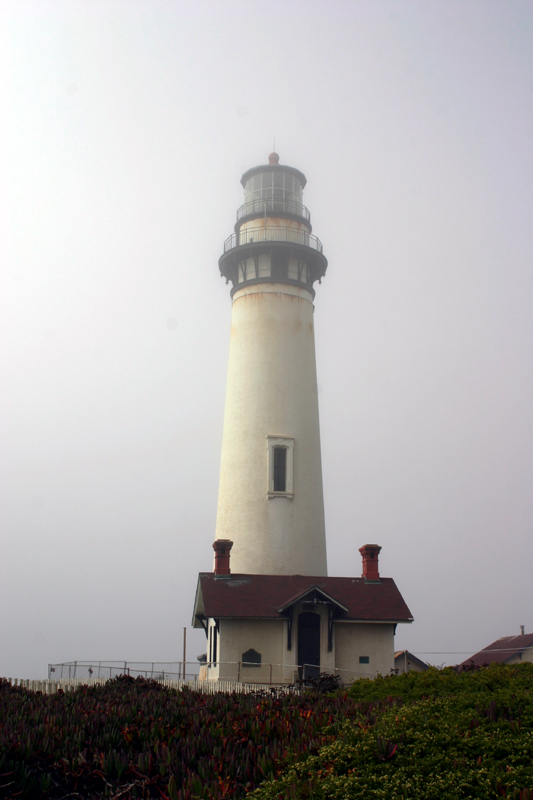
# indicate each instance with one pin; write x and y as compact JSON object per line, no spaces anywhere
{"x":126,"y":127}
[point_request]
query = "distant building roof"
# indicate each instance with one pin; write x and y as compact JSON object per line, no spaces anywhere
{"x":270,"y":596}
{"x":501,"y":650}
{"x":400,"y":655}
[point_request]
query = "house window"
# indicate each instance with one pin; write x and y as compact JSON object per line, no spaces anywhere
{"x":280,"y":459}
{"x":364,"y":659}
{"x":212,"y":643}
{"x":251,"y":658}
{"x":215,"y":638}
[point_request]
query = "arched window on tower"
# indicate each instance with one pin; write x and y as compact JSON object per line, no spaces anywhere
{"x":280,"y":469}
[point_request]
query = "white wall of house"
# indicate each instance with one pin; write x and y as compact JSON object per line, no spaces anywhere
{"x":351,"y":641}
{"x":355,"y":640}
{"x":525,"y":655}
{"x":268,"y":637}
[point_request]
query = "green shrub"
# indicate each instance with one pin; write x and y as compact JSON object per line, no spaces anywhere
{"x":444,"y":683}
{"x":448,"y":736}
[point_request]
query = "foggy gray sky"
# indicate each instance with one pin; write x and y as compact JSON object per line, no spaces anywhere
{"x":125,"y":130}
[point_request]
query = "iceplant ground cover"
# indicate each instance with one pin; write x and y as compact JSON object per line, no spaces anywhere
{"x":433,"y":735}
{"x":138,"y":739}
{"x":447,"y":736}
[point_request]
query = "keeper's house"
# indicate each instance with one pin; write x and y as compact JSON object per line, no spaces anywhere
{"x":282,"y":628}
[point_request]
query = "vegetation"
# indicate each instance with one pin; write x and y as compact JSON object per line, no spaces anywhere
{"x":424,"y":736}
{"x":444,"y":736}
{"x":135,"y":738}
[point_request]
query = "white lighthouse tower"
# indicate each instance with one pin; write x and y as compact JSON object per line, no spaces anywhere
{"x":270,"y":613}
{"x":271,"y":503}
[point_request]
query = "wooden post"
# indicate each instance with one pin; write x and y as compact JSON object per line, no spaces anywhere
{"x":184,"y":650}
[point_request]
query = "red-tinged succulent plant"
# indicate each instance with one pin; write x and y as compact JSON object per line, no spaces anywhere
{"x":141,"y":739}
{"x":385,"y":749}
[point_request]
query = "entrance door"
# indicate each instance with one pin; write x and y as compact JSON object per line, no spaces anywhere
{"x":309,"y":645}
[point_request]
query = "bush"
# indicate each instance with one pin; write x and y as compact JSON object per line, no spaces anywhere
{"x":444,"y":736}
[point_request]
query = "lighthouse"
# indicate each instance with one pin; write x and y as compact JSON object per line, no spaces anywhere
{"x":270,"y":502}
{"x":270,"y":613}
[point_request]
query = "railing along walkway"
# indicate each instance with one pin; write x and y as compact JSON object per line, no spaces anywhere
{"x":181,"y":676}
{"x":272,"y":233}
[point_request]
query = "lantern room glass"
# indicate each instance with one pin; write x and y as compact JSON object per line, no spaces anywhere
{"x":273,"y":185}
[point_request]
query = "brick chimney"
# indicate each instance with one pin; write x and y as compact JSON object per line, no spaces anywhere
{"x":370,"y":553}
{"x":222,"y":549}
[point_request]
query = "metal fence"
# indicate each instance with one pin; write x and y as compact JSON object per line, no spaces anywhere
{"x":196,"y":673}
{"x":272,"y":234}
{"x":157,"y":670}
{"x":225,"y":677}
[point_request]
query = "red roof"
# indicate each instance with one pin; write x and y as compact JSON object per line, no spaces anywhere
{"x":264,"y":596}
{"x":501,"y":650}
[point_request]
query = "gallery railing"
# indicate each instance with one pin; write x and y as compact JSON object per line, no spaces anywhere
{"x":272,"y":234}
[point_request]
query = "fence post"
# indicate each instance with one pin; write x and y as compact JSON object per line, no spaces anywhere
{"x":271,"y":674}
{"x":239,"y":673}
